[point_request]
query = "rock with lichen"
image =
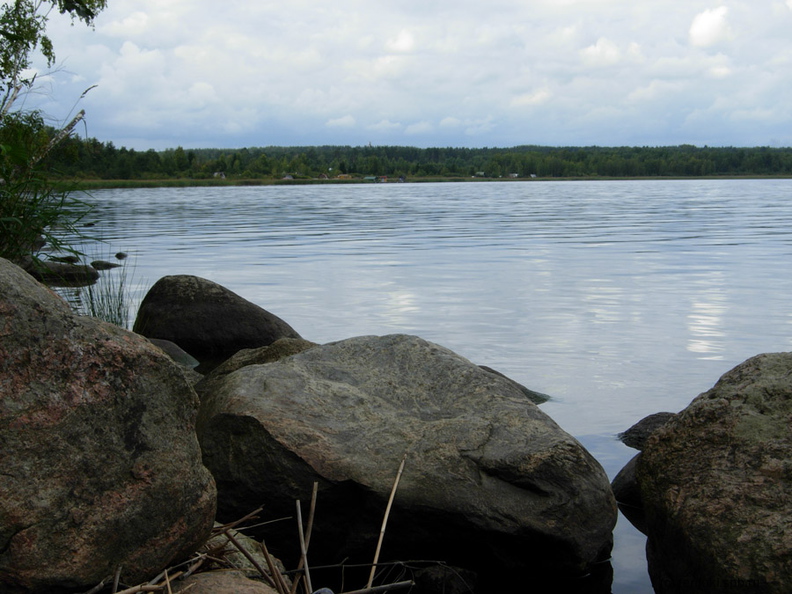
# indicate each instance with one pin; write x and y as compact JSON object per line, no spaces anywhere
{"x":490,"y":482}
{"x":99,"y":463}
{"x":715,"y":483}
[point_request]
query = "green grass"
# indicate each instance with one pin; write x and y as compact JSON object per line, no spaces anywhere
{"x":110,"y":298}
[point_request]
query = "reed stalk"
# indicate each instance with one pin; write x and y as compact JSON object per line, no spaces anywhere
{"x":270,"y":581}
{"x":385,"y":521}
{"x":303,"y":548}
{"x":309,"y":530}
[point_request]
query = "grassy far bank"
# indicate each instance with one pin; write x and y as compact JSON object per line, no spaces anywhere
{"x":101,"y":184}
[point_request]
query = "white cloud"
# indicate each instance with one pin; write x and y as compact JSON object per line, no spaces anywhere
{"x":495,"y":74}
{"x":346,"y":121}
{"x":656,"y":90}
{"x":536,"y":98}
{"x":480,"y":126}
{"x":720,"y":71}
{"x":602,"y":53}
{"x":419,"y":128}
{"x":635,"y":53}
{"x":201,"y":94}
{"x":404,"y":42}
{"x":385,"y":126}
{"x":471,"y":127}
{"x":131,"y":26}
{"x":450,"y":122}
{"x":710,"y":27}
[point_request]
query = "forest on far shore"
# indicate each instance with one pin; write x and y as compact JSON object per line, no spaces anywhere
{"x":90,"y":159}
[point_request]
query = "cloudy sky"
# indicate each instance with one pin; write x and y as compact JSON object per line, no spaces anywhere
{"x":202,"y":73}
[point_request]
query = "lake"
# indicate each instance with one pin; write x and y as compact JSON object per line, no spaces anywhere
{"x":617,"y":298}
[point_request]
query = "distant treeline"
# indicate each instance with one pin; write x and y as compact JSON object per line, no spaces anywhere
{"x":91,"y":159}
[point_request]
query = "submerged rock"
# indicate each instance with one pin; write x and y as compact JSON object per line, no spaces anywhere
{"x":715,"y":484}
{"x":62,"y":274}
{"x":490,"y":482}
{"x":104,"y":265}
{"x":636,"y":436}
{"x":99,"y":459}
{"x":175,"y":352}
{"x":625,"y":484}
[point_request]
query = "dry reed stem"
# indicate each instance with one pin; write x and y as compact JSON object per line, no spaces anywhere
{"x":141,"y":588}
{"x":384,"y":588}
{"x":164,"y":575}
{"x":250,"y":558}
{"x":385,"y":522}
{"x":308,"y":530}
{"x":116,"y":579}
{"x":311,"y":514}
{"x":194,"y":567}
{"x":303,"y":548}
{"x":232,"y":525}
{"x":99,"y":586}
{"x":280,"y":585}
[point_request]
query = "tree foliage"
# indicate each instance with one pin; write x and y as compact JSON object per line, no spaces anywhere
{"x":30,"y":206}
{"x":23,"y":31}
{"x":91,"y":159}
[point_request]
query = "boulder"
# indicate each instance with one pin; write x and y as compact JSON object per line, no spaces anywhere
{"x":716,"y":482}
{"x":100,"y":462}
{"x":205,"y":319}
{"x":636,"y":436}
{"x":490,"y":483}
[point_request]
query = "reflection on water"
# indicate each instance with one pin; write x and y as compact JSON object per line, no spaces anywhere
{"x":619,"y":299}
{"x":707,"y":318}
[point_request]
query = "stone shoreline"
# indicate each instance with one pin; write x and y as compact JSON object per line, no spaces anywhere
{"x":115,"y":455}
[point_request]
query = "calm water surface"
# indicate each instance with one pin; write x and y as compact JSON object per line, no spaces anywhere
{"x":618,"y":299}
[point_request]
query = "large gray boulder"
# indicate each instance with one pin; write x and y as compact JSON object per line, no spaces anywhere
{"x":716,"y":485}
{"x":205,"y":319}
{"x":490,"y":482}
{"x":99,"y":462}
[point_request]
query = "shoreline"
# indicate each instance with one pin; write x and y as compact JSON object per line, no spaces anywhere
{"x":106,"y":184}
